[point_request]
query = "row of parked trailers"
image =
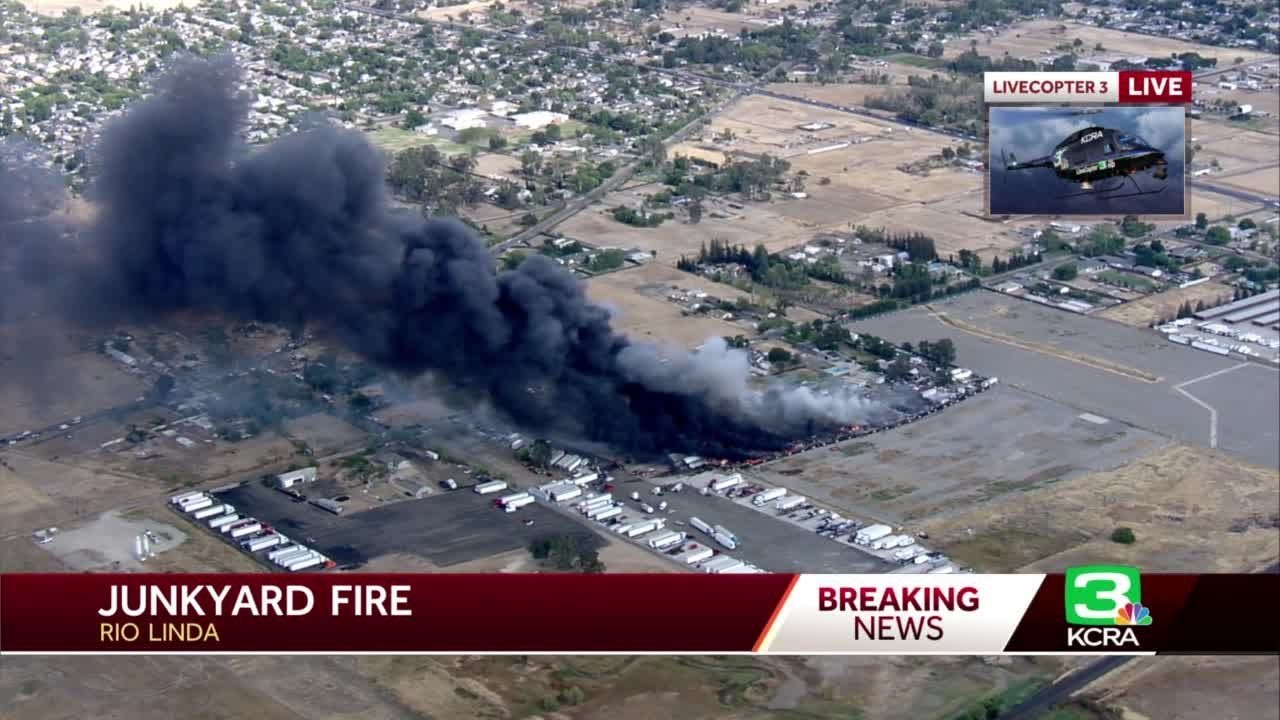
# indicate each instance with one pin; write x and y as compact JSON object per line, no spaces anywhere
{"x":249,"y":533}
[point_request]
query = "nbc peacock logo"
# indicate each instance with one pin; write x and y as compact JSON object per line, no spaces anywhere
{"x":1133,"y":614}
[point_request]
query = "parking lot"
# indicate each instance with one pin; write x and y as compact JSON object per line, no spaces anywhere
{"x":1101,"y":367}
{"x":765,"y":541}
{"x":447,"y":528}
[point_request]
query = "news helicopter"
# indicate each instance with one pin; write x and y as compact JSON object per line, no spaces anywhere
{"x":1095,"y":153}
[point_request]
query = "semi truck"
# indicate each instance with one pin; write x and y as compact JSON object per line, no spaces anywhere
{"x":721,"y":484}
{"x":305,"y":563}
{"x":720,"y":564}
{"x":701,"y":525}
{"x":292,"y":556}
{"x":871,"y":533}
{"x":282,"y":551}
{"x":722,"y":530}
{"x":223,"y":520}
{"x":492,"y":486}
{"x":698,"y":555}
{"x":518,"y":503}
{"x":198,"y":505}
{"x":789,"y":502}
{"x":725,"y":540}
{"x":607,"y":513}
{"x":263,"y":543}
{"x":767,"y":496}
{"x":565,"y":493}
{"x":667,"y":539}
{"x":514,"y":497}
{"x":179,"y":499}
{"x":246,"y":529}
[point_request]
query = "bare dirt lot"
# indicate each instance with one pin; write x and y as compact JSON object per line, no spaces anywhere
{"x":40,"y":493}
{"x":1162,"y":306}
{"x":1192,"y":510}
{"x":1003,"y":441}
{"x":1030,"y":39}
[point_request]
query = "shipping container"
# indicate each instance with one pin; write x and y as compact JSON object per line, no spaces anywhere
{"x":492,"y":486}
{"x":224,"y":520}
{"x":601,"y":501}
{"x":697,"y":556}
{"x":622,"y":529}
{"x":699,"y":524}
{"x":248,"y":529}
{"x":214,"y":511}
{"x":767,"y":496}
{"x":789,"y":503}
{"x":585,"y":478}
{"x":607,"y":513}
{"x":725,"y":540}
{"x":595,"y":510}
{"x":198,"y":505}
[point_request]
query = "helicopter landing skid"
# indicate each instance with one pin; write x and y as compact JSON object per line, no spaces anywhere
{"x":1108,"y":193}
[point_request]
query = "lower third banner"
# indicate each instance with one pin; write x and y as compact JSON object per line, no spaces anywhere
{"x":1090,"y":610}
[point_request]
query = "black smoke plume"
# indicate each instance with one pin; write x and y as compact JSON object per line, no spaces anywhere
{"x":302,"y":231}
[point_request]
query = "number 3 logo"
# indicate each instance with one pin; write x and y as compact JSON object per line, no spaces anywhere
{"x":1096,"y":594}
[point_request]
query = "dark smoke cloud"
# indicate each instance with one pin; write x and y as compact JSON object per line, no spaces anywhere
{"x":302,"y":231}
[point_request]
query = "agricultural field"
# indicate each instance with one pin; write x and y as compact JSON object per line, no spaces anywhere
{"x":1162,"y":306}
{"x":1031,"y":39}
{"x":393,"y":139}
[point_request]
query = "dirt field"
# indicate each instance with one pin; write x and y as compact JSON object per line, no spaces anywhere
{"x":1189,"y":688}
{"x":498,"y":167}
{"x":1162,"y":306}
{"x":753,"y":223}
{"x":57,"y":382}
{"x":952,"y":232}
{"x":325,"y":434}
{"x":763,"y":124}
{"x":1265,"y":181}
{"x":1029,"y":40}
{"x":40,"y":493}
{"x":650,"y":317}
{"x":1192,"y":509}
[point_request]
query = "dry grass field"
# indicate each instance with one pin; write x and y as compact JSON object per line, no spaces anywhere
{"x":751,"y":224}
{"x":46,"y":379}
{"x":637,"y":296}
{"x":497,"y":167}
{"x":1161,"y":306}
{"x":41,"y":493}
{"x":1234,"y":147}
{"x":1030,"y":39}
{"x":1192,"y":509}
{"x":1190,"y":688}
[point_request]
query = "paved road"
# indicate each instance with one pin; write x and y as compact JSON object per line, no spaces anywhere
{"x":1044,"y":700}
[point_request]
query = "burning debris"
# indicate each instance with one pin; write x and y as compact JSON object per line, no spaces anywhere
{"x":303,"y":232}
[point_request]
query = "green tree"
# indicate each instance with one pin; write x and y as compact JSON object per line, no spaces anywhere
{"x":414,"y":118}
{"x":779,"y":356}
{"x":1217,"y":235}
{"x":1124,"y":536}
{"x":1066,"y":271}
{"x":1202,"y":221}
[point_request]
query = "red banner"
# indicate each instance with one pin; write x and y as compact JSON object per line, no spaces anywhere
{"x":394,"y":613}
